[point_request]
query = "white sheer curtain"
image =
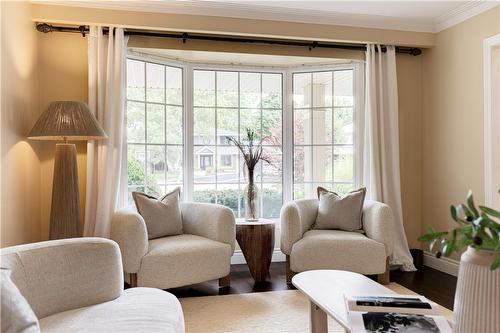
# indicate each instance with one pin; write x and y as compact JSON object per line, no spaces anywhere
{"x":381,"y":174}
{"x":105,"y":160}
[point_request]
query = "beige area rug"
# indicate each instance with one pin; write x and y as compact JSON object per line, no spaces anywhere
{"x":284,"y":311}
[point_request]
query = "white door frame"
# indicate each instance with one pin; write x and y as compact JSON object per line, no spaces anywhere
{"x":488,"y":45}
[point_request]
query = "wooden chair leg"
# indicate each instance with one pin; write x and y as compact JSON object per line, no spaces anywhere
{"x":225,"y":281}
{"x":384,"y":278}
{"x":133,"y":280}
{"x":289,"y":272}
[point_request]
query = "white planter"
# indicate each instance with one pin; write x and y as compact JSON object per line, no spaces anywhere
{"x":477,"y":299}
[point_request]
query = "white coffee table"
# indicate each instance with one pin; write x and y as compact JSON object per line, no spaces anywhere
{"x":325,"y":290}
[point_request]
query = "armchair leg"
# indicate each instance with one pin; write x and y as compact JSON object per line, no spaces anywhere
{"x":225,"y":281}
{"x":133,"y":280}
{"x":289,"y":272}
{"x":384,"y":278}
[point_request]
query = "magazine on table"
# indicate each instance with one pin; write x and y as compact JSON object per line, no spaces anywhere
{"x":394,"y":314}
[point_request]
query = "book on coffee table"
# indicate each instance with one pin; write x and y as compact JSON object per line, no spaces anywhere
{"x":395,"y":314}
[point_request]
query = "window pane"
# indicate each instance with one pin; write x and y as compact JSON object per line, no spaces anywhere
{"x":155,"y":77}
{"x":343,"y":189}
{"x":272,"y":200}
{"x":156,"y":170}
{"x":156,"y":123}
{"x":204,"y":126}
{"x":174,"y":124}
{"x":174,"y":164}
{"x":344,"y":125}
{"x":204,"y":164}
{"x":343,"y":164}
{"x":302,"y":163}
{"x":271,"y":91}
{"x":227,"y":164}
{"x":135,"y":80}
{"x":322,"y":122}
{"x":227,"y":89}
{"x":229,"y":195}
{"x":250,"y":118}
{"x":302,"y":127}
{"x":174,"y":85}
{"x":204,"y":88}
{"x":343,"y":88}
{"x":227,"y":125}
{"x":272,"y":126}
{"x":322,"y":89}
{"x":250,"y":90}
{"x":302,"y":90}
{"x":136,"y":118}
{"x":204,"y":193}
{"x":304,"y":191}
{"x":322,"y":165}
{"x":298,"y":191}
{"x":272,"y":172}
{"x":136,"y":155}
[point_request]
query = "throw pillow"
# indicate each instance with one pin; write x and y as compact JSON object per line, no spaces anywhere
{"x":344,"y":213}
{"x":17,"y":315}
{"x":162,"y":216}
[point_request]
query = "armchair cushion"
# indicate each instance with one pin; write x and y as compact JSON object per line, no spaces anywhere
{"x":162,"y":217}
{"x":335,"y":212}
{"x":136,"y":310}
{"x":183,"y":260}
{"x":336,"y":249}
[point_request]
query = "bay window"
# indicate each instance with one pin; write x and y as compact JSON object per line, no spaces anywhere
{"x":179,"y":118}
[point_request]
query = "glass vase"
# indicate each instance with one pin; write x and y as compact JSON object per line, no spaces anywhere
{"x":252,"y":202}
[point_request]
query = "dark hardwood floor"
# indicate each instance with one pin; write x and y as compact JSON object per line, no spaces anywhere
{"x":435,"y":285}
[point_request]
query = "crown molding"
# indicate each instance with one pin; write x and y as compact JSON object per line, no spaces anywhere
{"x":463,"y":13}
{"x":246,"y":11}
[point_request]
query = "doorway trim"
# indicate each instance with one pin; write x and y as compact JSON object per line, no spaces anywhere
{"x":488,"y":45}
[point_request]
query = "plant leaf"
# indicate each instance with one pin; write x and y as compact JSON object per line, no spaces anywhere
{"x":490,"y":211}
{"x":470,"y":203}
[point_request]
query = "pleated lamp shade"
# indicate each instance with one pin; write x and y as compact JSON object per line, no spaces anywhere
{"x":67,"y":120}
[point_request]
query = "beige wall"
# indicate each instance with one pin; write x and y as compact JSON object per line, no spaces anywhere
{"x":452,"y":132}
{"x":62,"y":63}
{"x":20,"y":166}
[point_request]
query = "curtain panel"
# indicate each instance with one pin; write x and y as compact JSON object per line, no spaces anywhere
{"x":380,"y":145}
{"x":106,"y":160}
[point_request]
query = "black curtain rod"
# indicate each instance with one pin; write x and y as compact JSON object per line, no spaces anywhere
{"x":46,"y":28}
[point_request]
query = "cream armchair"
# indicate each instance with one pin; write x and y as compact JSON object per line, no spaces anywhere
{"x":308,"y":249}
{"x":76,"y":285}
{"x":202,"y":253}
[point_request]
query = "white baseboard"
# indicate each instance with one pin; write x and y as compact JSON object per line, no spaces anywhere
{"x":238,"y":257}
{"x":445,"y":265}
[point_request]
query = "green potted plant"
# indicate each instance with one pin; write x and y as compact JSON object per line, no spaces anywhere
{"x":477,"y":298}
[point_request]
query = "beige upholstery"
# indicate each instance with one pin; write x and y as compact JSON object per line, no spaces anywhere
{"x":344,"y":250}
{"x":136,"y":310}
{"x":183,"y":260}
{"x":203,"y":252}
{"x":334,"y":249}
{"x":80,"y":282}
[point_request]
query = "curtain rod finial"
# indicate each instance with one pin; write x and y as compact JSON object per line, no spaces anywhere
{"x":44,"y":27}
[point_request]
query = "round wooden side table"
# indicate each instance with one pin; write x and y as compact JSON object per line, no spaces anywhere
{"x":256,"y":240}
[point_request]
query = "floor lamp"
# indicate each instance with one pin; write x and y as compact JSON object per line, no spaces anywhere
{"x":66,"y":120}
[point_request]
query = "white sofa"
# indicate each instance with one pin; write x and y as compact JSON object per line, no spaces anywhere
{"x":308,"y":249}
{"x":76,"y":285}
{"x":202,"y":253}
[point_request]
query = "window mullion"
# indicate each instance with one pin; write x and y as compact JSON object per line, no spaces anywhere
{"x":188,"y":158}
{"x":287,"y":132}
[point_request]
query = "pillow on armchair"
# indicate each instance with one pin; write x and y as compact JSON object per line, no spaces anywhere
{"x":344,"y":213}
{"x":162,"y":216}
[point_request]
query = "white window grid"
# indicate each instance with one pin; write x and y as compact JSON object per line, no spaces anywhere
{"x":287,"y":113}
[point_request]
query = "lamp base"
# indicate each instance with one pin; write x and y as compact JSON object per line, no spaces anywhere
{"x":65,"y":209}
